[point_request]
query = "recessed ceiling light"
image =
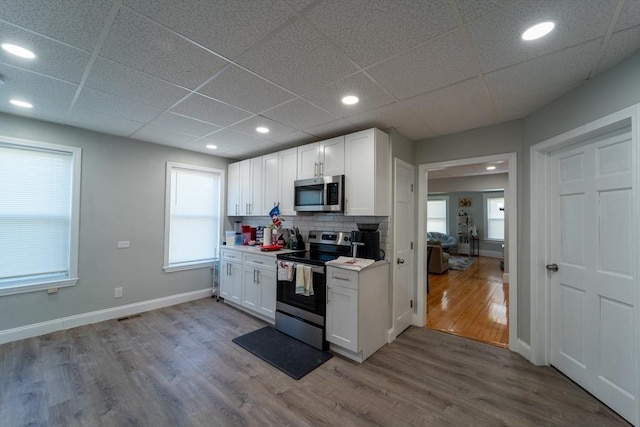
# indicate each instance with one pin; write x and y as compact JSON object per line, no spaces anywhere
{"x":19,"y":103}
{"x":262,"y":129}
{"x":491,"y":168}
{"x":212,"y":147}
{"x":538,"y":30}
{"x":350,"y":100}
{"x":18,"y":51}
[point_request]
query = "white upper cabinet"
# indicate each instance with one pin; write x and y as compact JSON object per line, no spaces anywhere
{"x":287,"y":175}
{"x":367,"y":170}
{"x":324,"y":158}
{"x":254,"y":197}
{"x":270,"y":183}
{"x":233,"y":189}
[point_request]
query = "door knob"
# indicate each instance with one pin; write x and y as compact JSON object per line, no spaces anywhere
{"x":399,"y":261}
{"x":552,"y":267}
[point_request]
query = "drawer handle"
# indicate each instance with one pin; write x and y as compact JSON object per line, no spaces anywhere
{"x":346,"y":279}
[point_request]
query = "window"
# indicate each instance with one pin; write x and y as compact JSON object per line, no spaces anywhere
{"x":39,"y":215}
{"x":437,"y":208}
{"x":495,"y":217}
{"x":192,"y":216}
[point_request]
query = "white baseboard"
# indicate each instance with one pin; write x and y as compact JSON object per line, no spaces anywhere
{"x":524,"y":350}
{"x":491,"y":254}
{"x":69,"y":322}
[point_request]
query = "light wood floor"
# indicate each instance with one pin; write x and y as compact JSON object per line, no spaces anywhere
{"x":177,"y":366}
{"x":472,"y":303}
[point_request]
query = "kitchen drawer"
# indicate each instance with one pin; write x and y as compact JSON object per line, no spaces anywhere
{"x":342,"y":277}
{"x":230,"y":255}
{"x":266,"y":262}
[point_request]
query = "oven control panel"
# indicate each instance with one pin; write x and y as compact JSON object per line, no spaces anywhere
{"x":330,"y":237}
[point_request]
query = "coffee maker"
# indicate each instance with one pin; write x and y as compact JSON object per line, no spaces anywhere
{"x":365,"y":242}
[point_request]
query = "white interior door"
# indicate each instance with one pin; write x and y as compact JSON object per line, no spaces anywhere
{"x":593,"y":292}
{"x":403,"y":222}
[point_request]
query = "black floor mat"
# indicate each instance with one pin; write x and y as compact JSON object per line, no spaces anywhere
{"x":291,"y":356}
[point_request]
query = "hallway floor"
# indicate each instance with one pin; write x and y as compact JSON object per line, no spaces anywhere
{"x":473,"y":303}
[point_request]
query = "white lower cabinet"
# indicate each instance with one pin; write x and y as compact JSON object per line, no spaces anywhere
{"x":358,"y":310}
{"x":250,"y":282}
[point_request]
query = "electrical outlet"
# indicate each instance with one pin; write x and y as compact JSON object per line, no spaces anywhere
{"x":118,"y":292}
{"x":124,"y":244}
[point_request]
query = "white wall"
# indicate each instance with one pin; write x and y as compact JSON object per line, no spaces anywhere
{"x":122,"y":198}
{"x":497,"y":181}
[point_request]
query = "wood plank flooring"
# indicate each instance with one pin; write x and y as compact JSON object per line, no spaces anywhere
{"x":472,"y":303}
{"x":177,"y":366}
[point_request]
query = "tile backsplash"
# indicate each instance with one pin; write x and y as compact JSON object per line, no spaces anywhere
{"x":324,"y":222}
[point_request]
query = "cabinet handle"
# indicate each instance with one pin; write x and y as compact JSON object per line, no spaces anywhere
{"x":315,"y":169}
{"x":321,"y":169}
{"x":346,"y":279}
{"x":328,"y":295}
{"x":255,"y":276}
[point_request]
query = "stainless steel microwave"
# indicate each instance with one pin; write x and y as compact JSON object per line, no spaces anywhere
{"x":323,"y":194}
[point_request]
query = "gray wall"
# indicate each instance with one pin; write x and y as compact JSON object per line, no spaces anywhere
{"x":122,"y":198}
{"x":611,"y":91}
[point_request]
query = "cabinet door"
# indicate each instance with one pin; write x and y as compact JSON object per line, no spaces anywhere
{"x":287,"y":161}
{"x":342,"y":317}
{"x":231,"y":282}
{"x":233,"y":189}
{"x":255,"y":200}
{"x":270,"y":183}
{"x":245,"y":186}
{"x":331,"y":156}
{"x":359,"y":166}
{"x":250,"y":290}
{"x":267,"y":283}
{"x":308,"y":162}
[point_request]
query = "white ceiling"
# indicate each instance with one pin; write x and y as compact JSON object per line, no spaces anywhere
{"x":187,"y":73}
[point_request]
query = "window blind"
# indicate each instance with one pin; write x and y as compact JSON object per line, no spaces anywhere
{"x":437,"y":216}
{"x":35,"y":214}
{"x":495,"y":218}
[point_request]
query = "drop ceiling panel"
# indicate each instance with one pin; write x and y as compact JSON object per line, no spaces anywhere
{"x":30,"y":86}
{"x":471,"y":10}
{"x":226,"y":27}
{"x":370,"y":94}
{"x":542,"y":79}
{"x":101,"y":122}
{"x":299,"y":114}
{"x":497,"y":36}
{"x":52,"y":58}
{"x":77,"y":23}
{"x":249,"y":127}
{"x":621,"y":45}
{"x":229,"y":138}
{"x":392,"y":116}
{"x":116,"y":79}
{"x":145,"y":46}
{"x":433,"y":65}
{"x":297,"y":138}
{"x":185,"y":125}
{"x":298,"y":58}
{"x":101,"y":102}
{"x":209,"y":110}
{"x":441,"y":109}
{"x":245,"y":90}
{"x":162,"y":135}
{"x":331,"y":129}
{"x":373,"y":30}
{"x":629,"y":16}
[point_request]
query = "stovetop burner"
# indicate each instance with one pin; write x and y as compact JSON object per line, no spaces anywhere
{"x":323,"y":246}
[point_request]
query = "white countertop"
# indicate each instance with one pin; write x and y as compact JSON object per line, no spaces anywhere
{"x":256,"y":250}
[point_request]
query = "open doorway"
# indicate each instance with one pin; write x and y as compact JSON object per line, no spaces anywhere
{"x":467,"y":294}
{"x":472,"y":286}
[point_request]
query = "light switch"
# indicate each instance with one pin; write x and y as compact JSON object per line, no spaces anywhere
{"x":123,"y":244}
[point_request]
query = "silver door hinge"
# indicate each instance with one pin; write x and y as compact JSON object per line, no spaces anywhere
{"x":412,"y":188}
{"x":411,"y":304}
{"x":411,"y":245}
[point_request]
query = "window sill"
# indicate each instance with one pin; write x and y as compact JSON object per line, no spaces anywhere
{"x":187,"y":266}
{"x":34,"y":287}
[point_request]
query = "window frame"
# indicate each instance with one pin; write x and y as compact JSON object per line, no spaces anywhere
{"x":34,"y":285}
{"x":446,"y":211}
{"x":170,"y":268}
{"x":486,"y":197}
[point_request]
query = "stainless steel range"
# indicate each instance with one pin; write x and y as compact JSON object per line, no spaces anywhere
{"x":297,"y":314}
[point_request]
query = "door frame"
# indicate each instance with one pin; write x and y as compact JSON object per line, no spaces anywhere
{"x":540,"y":226}
{"x":511,"y":244}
